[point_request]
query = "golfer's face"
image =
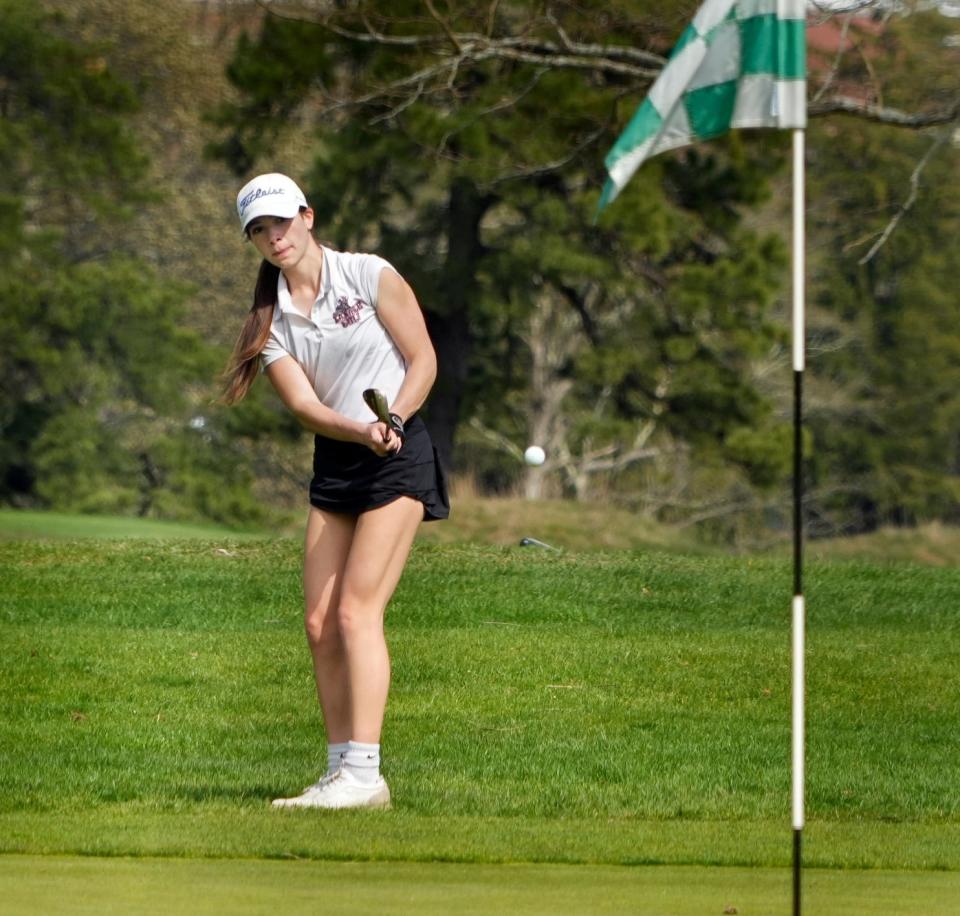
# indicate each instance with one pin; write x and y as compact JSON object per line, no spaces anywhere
{"x":281,"y":241}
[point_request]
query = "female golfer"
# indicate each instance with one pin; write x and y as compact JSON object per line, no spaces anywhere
{"x":325,"y":326}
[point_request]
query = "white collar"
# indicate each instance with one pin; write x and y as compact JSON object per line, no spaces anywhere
{"x":284,"y":299}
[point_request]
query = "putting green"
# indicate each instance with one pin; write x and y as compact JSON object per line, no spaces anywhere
{"x":136,"y":887}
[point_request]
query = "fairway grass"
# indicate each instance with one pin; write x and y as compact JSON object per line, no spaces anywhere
{"x":217,"y":831}
{"x":156,"y":887}
{"x":607,"y":709}
{"x":15,"y":523}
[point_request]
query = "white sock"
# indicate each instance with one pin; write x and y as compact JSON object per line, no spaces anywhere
{"x":363,"y":761}
{"x":335,"y":754}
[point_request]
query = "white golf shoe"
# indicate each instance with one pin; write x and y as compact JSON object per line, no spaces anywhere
{"x":307,"y":798}
{"x":340,"y":790}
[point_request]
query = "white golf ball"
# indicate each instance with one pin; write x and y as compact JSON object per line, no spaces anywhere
{"x":534,"y":455}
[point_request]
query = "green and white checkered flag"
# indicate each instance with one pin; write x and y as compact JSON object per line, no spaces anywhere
{"x":740,"y":63}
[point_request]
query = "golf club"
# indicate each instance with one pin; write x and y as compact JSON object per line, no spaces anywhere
{"x":376,"y":400}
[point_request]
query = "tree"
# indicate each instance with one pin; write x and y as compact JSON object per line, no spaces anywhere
{"x":884,"y":341}
{"x":466,"y":144}
{"x":101,"y":378}
{"x":442,"y":142}
{"x":888,"y":340}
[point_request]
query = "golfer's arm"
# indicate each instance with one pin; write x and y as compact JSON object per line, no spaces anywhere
{"x":400,"y":314}
{"x":288,"y":378}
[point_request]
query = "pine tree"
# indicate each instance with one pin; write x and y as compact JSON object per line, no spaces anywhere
{"x":101,"y":377}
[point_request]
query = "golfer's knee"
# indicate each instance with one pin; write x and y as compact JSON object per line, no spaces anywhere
{"x":322,"y":631}
{"x":358,"y":619}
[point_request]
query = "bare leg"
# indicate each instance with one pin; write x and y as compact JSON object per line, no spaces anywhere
{"x":351,"y":568}
{"x":378,"y":553}
{"x":326,"y":547}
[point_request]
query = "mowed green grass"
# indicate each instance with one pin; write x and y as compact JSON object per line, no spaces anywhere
{"x":16,"y":523}
{"x":131,"y":887}
{"x":608,"y":709}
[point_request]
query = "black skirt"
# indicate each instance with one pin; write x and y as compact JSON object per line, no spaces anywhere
{"x":351,"y":478}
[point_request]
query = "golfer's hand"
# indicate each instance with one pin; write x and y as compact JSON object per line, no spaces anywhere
{"x":383,"y":440}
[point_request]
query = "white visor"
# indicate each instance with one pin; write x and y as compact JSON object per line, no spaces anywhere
{"x":272,"y":194}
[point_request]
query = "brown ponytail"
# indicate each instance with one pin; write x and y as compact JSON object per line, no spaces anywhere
{"x":245,"y":361}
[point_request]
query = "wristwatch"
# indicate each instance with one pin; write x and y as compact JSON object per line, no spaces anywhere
{"x":396,"y":424}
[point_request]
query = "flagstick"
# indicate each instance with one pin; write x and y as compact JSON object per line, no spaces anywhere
{"x":799,"y":360}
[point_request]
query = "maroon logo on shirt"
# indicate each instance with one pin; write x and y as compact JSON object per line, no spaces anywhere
{"x":346,"y":314}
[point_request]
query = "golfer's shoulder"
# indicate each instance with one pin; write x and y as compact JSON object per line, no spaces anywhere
{"x":358,"y":270}
{"x":355,"y":262}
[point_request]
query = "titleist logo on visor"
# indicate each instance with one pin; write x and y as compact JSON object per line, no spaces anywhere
{"x":256,"y":195}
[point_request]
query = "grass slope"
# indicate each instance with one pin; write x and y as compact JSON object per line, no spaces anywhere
{"x":571,"y":526}
{"x":243,"y":888}
{"x":615,"y":708}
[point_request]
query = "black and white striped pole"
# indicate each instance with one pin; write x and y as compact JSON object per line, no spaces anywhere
{"x":799,"y":611}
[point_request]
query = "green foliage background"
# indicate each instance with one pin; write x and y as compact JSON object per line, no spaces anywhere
{"x":127,"y":125}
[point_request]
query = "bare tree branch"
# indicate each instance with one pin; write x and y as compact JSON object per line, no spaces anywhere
{"x":911,"y":199}
{"x":719,"y":509}
{"x":854,"y":6}
{"x":840,"y":104}
{"x":457,"y":47}
{"x":401,"y":106}
{"x":495,"y":438}
{"x":389,"y":90}
{"x":547,"y":167}
{"x":841,"y":50}
{"x":492,"y":17}
{"x":872,"y":73}
{"x":621,"y":51}
{"x":454,"y":51}
{"x":617,"y":59}
{"x":583,"y":59}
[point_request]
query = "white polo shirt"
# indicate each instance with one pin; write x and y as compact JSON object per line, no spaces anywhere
{"x":342,"y":347}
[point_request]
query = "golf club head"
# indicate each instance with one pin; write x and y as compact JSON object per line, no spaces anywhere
{"x":377,"y":402}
